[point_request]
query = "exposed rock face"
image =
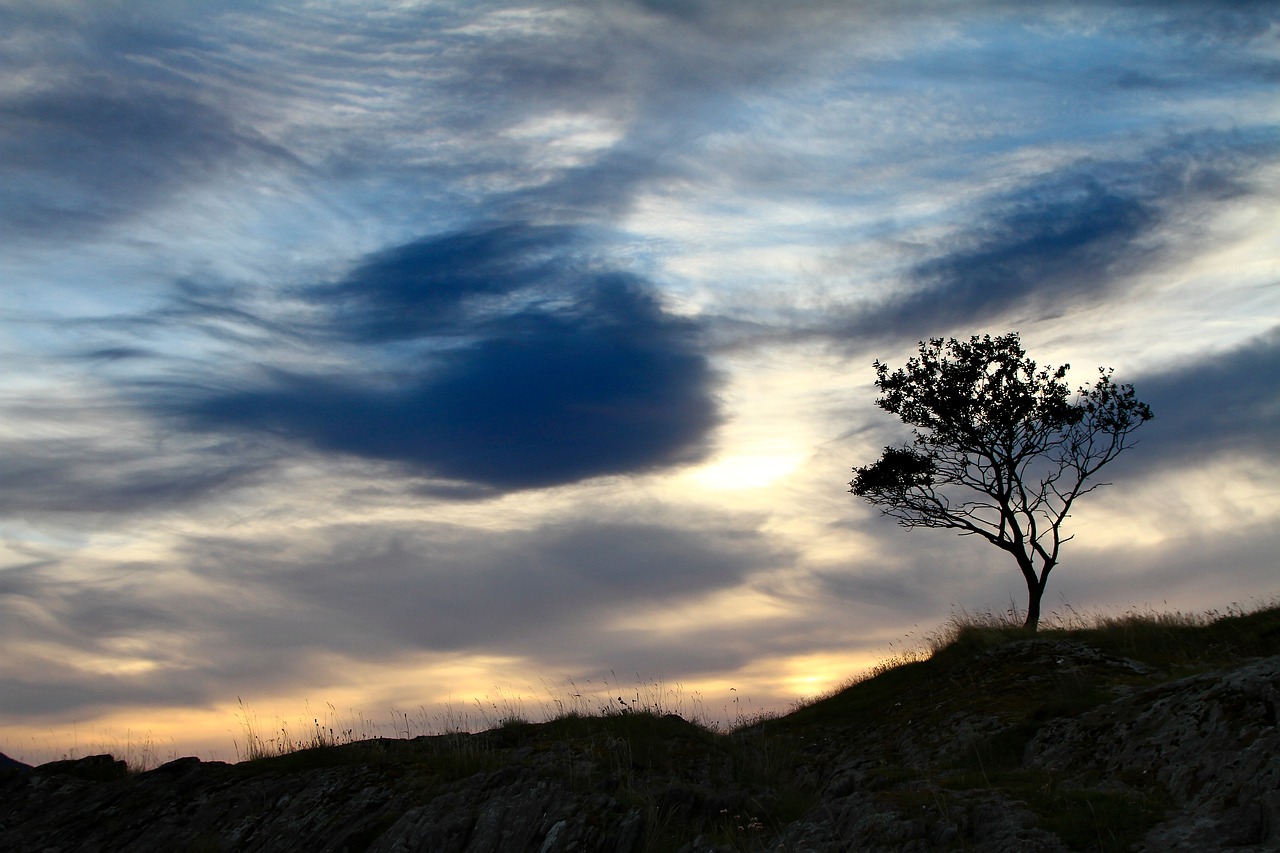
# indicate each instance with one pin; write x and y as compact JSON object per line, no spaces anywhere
{"x":1210,"y":740}
{"x":1035,"y":745}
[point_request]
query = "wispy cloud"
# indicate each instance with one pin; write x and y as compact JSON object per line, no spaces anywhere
{"x":1069,"y":237}
{"x":555,"y":595}
{"x":96,"y":476}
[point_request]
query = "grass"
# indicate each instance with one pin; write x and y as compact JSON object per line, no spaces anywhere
{"x":603,"y":698}
{"x":1172,"y":643}
{"x":1159,"y":638}
{"x":139,"y":751}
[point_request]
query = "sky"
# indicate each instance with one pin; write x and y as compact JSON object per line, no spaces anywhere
{"x":368,"y":359}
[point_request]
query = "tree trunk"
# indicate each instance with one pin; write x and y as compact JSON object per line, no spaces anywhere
{"x":1035,"y":587}
{"x":1034,"y":591}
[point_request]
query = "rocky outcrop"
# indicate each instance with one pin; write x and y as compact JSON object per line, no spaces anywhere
{"x":1210,"y":741}
{"x":1033,"y":745}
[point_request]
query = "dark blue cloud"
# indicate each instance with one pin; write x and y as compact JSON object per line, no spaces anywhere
{"x":439,"y":283}
{"x":1055,"y":241}
{"x":1074,"y":235}
{"x":1223,"y":403}
{"x":534,"y":369}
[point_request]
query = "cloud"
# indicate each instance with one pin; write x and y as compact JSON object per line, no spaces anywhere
{"x":99,"y":475}
{"x":223,"y":615}
{"x":107,"y":113}
{"x":438,"y":284}
{"x":572,"y":114}
{"x":1216,"y":403}
{"x":88,"y":637}
{"x":530,"y":367}
{"x":465,"y":106}
{"x":505,"y":592}
{"x":1076,"y":234}
{"x":89,"y":156}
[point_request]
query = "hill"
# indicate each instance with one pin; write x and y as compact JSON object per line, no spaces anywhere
{"x":1144,"y":732}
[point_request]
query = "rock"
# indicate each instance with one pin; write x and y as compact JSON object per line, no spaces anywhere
{"x":12,"y":767}
{"x":1211,"y":741}
{"x":95,"y":768}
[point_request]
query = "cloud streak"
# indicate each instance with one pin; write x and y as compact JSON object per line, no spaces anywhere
{"x":1215,"y":403}
{"x":1069,"y":237}
{"x":89,"y":157}
{"x":551,"y":594}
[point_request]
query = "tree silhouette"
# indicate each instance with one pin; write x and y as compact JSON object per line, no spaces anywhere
{"x":1000,"y":448}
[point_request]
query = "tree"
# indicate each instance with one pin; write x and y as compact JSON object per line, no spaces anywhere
{"x":1000,"y":448}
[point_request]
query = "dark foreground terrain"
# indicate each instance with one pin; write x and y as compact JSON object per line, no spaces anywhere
{"x":1146,"y":733}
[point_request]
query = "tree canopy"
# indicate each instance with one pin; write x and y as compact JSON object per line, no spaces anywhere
{"x":1001,"y":448}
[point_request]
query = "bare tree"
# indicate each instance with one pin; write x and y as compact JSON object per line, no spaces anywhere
{"x":1001,"y":450}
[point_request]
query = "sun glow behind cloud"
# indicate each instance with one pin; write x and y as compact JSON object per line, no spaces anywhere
{"x":746,"y":470}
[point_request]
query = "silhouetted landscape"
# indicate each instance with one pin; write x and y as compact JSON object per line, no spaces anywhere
{"x":1146,"y":731}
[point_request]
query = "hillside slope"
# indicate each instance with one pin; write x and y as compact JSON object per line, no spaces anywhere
{"x":1147,"y":735}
